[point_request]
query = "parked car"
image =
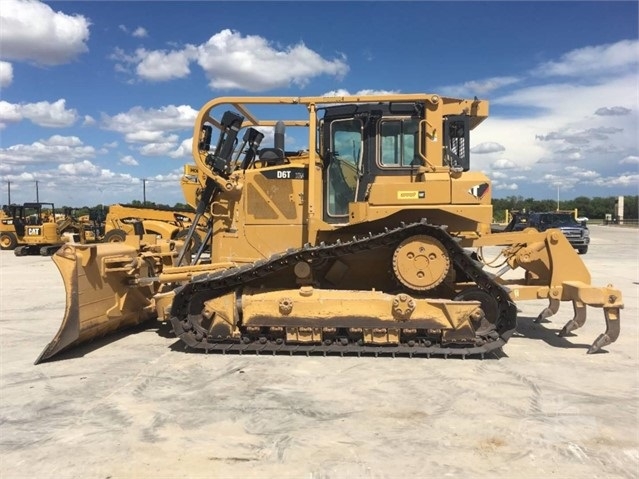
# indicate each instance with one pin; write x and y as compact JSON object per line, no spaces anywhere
{"x":575,"y":231}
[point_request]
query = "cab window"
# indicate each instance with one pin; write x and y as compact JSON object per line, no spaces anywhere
{"x":398,"y":142}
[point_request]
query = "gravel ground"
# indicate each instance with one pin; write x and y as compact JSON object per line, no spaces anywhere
{"x":136,"y":405}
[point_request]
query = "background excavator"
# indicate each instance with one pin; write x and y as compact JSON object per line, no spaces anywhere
{"x":368,"y":241}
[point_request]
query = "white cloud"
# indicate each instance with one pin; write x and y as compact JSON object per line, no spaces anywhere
{"x":56,"y":149}
{"x":159,"y":148}
{"x":152,"y":128}
{"x":487,"y":147}
{"x":140,"y":32}
{"x":43,"y":113}
{"x":581,"y":173}
{"x":91,"y":185}
{"x":503,"y":164}
{"x":630,"y":160}
{"x":184,"y":150}
{"x":564,"y":122}
{"x":52,"y":115}
{"x":59,"y":140}
{"x":9,"y":113}
{"x":233,"y":61}
{"x":32,"y":31}
{"x":623,"y":180}
{"x":144,"y":136}
{"x":173,"y":177}
{"x":160,"y":65}
{"x":613,"y":111}
{"x":6,"y":74}
{"x":137,"y":119}
{"x":559,"y":98}
{"x":83,"y":168}
{"x":479,"y":88}
{"x":498,"y":175}
{"x":129,"y":161}
{"x":505,"y":186}
{"x":554,"y":180}
{"x":594,"y":60}
{"x":22,"y":177}
{"x":581,"y":136}
{"x":230,"y":60}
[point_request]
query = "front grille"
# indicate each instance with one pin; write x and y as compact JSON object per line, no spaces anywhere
{"x":572,"y":233}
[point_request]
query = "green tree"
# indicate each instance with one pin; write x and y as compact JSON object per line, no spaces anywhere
{"x":631,"y":207}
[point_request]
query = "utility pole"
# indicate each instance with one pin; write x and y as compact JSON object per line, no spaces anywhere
{"x":37,"y":192}
{"x":557,"y":197}
{"x":143,"y":191}
{"x":9,"y":190}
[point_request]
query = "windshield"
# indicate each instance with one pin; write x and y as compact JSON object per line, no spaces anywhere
{"x":558,"y":219}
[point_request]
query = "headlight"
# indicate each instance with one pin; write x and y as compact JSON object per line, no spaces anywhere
{"x":586,"y":233}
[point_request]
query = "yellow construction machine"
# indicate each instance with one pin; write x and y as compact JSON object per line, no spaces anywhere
{"x":121,"y":221}
{"x":35,"y":228}
{"x":367,"y":240}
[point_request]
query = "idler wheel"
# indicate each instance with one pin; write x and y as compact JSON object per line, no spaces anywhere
{"x":421,"y":262}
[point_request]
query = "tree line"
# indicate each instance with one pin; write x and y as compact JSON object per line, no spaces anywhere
{"x":592,"y":208}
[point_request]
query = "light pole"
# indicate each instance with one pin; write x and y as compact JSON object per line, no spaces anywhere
{"x":144,"y":191}
{"x":557,"y":197}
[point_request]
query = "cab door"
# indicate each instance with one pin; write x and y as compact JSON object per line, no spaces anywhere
{"x":342,"y":175}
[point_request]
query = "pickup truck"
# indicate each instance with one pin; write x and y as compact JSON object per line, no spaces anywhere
{"x":576,"y":232}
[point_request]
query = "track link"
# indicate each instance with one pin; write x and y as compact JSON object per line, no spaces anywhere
{"x":189,"y":297}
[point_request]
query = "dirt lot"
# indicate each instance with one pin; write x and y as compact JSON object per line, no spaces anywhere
{"x":136,"y":405}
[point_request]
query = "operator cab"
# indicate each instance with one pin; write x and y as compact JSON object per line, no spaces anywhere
{"x":360,"y":142}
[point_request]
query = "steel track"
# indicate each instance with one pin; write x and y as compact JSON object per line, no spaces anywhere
{"x":215,"y":284}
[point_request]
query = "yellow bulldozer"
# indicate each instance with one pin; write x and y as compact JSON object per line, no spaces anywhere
{"x":367,"y":240}
{"x":121,"y":220}
{"x":35,"y":228}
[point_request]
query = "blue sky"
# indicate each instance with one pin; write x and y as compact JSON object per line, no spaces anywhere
{"x":95,"y":96}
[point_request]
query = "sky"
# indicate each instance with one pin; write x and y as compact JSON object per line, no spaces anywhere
{"x":98,"y":99}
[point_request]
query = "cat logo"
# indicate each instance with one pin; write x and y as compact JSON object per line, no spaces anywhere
{"x":33,"y":231}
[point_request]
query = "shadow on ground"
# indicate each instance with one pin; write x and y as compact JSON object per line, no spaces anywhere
{"x":382,"y":353}
{"x":529,"y":329}
{"x":526,"y":328}
{"x":86,"y":348}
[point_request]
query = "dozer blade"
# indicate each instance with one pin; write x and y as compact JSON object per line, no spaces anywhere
{"x":100,"y":295}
